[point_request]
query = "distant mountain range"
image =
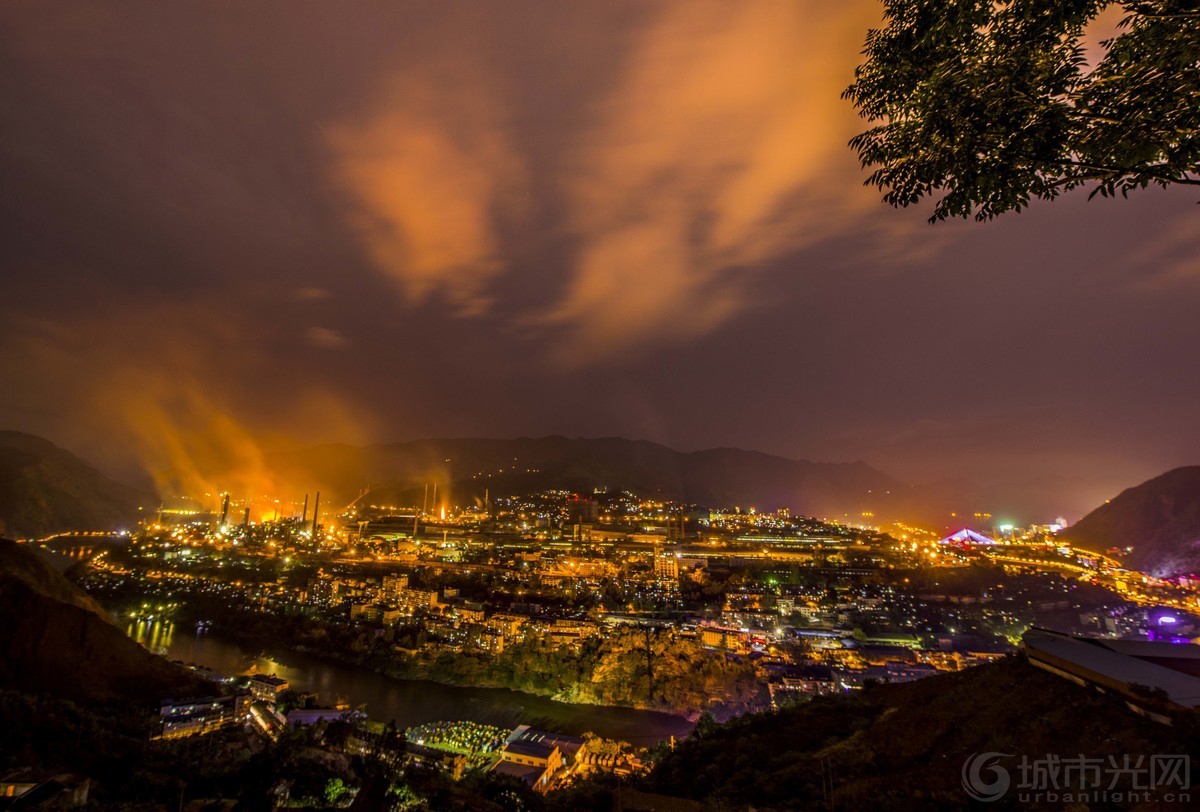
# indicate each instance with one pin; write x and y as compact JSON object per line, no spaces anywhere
{"x":44,"y":490}
{"x":56,"y":640}
{"x":465,"y":469}
{"x":1159,"y":520}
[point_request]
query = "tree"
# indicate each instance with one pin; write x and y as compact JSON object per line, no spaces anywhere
{"x":987,"y":104}
{"x":334,"y":790}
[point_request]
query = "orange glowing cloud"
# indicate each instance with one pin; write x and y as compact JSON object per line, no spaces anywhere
{"x":719,"y":146}
{"x":722,"y":147}
{"x":425,"y":172}
{"x":172,"y":406}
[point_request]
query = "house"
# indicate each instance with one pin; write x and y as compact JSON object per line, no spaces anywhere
{"x":200,"y":715}
{"x":267,"y":689}
{"x":533,"y":762}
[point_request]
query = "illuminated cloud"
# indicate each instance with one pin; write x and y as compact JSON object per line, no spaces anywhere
{"x":325,"y":338}
{"x":721,"y":148}
{"x":425,"y":171}
{"x":176,"y":407}
{"x":200,"y":208}
{"x":310,"y":294}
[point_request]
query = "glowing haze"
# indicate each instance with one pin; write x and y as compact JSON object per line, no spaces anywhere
{"x":233,"y":228}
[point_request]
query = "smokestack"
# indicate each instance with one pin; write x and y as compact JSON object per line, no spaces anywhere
{"x":434,"y":503}
{"x":224,"y":511}
{"x":304,"y":513}
{"x":316,"y":510}
{"x":246,"y":518}
{"x":425,"y":499}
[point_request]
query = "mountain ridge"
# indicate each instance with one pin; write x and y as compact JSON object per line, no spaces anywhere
{"x":469,"y":466}
{"x":1159,"y":519}
{"x":46,"y":489}
{"x":56,"y":640}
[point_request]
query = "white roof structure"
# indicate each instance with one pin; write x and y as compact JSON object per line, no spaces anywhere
{"x":967,"y":536}
{"x":1117,"y":664}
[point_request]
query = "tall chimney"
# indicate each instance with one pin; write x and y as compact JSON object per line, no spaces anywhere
{"x":304,"y":513}
{"x":316,"y":510}
{"x":224,"y":510}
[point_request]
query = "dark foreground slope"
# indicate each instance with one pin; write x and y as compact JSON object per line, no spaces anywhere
{"x":44,"y":490}
{"x":904,"y":746}
{"x":1159,"y":519}
{"x":54,"y":640}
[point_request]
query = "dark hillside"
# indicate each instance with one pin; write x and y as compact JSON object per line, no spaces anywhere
{"x":1159,"y":520}
{"x":55,"y":641}
{"x":45,"y":490}
{"x":903,"y":746}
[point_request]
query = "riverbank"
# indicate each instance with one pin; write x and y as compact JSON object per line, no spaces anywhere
{"x":409,"y":702}
{"x":602,"y":671}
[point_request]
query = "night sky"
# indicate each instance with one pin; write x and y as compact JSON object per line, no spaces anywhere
{"x":276,"y":223}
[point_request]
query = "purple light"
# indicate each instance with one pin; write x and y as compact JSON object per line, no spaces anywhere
{"x":1167,"y":619}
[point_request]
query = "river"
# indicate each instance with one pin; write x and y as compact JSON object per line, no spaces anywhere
{"x":407,"y":702}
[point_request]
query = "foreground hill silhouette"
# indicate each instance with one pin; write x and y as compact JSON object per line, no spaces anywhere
{"x":45,"y":489}
{"x":55,"y":640}
{"x":1159,"y":519}
{"x":903,"y":746}
{"x":465,"y":468}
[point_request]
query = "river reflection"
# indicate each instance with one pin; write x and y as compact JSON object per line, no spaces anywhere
{"x":156,"y":635}
{"x":414,"y":702}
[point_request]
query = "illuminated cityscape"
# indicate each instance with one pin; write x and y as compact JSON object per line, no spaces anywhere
{"x":645,"y":603}
{"x":611,"y":406}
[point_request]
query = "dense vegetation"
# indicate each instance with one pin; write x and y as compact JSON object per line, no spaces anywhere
{"x":989,"y":105}
{"x":611,"y":669}
{"x":658,"y":670}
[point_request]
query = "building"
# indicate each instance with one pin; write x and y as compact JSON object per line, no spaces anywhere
{"x":728,"y":639}
{"x":532,"y":762}
{"x":581,"y":510}
{"x":571,"y":747}
{"x":453,"y":764}
{"x":26,"y":788}
{"x":470,"y":612}
{"x":180,"y":718}
{"x":310,"y":716}
{"x":418,"y":598}
{"x":393,"y":585}
{"x":1155,"y":678}
{"x":666,"y":567}
{"x":321,"y":591}
{"x":967,"y":537}
{"x":267,"y":688}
